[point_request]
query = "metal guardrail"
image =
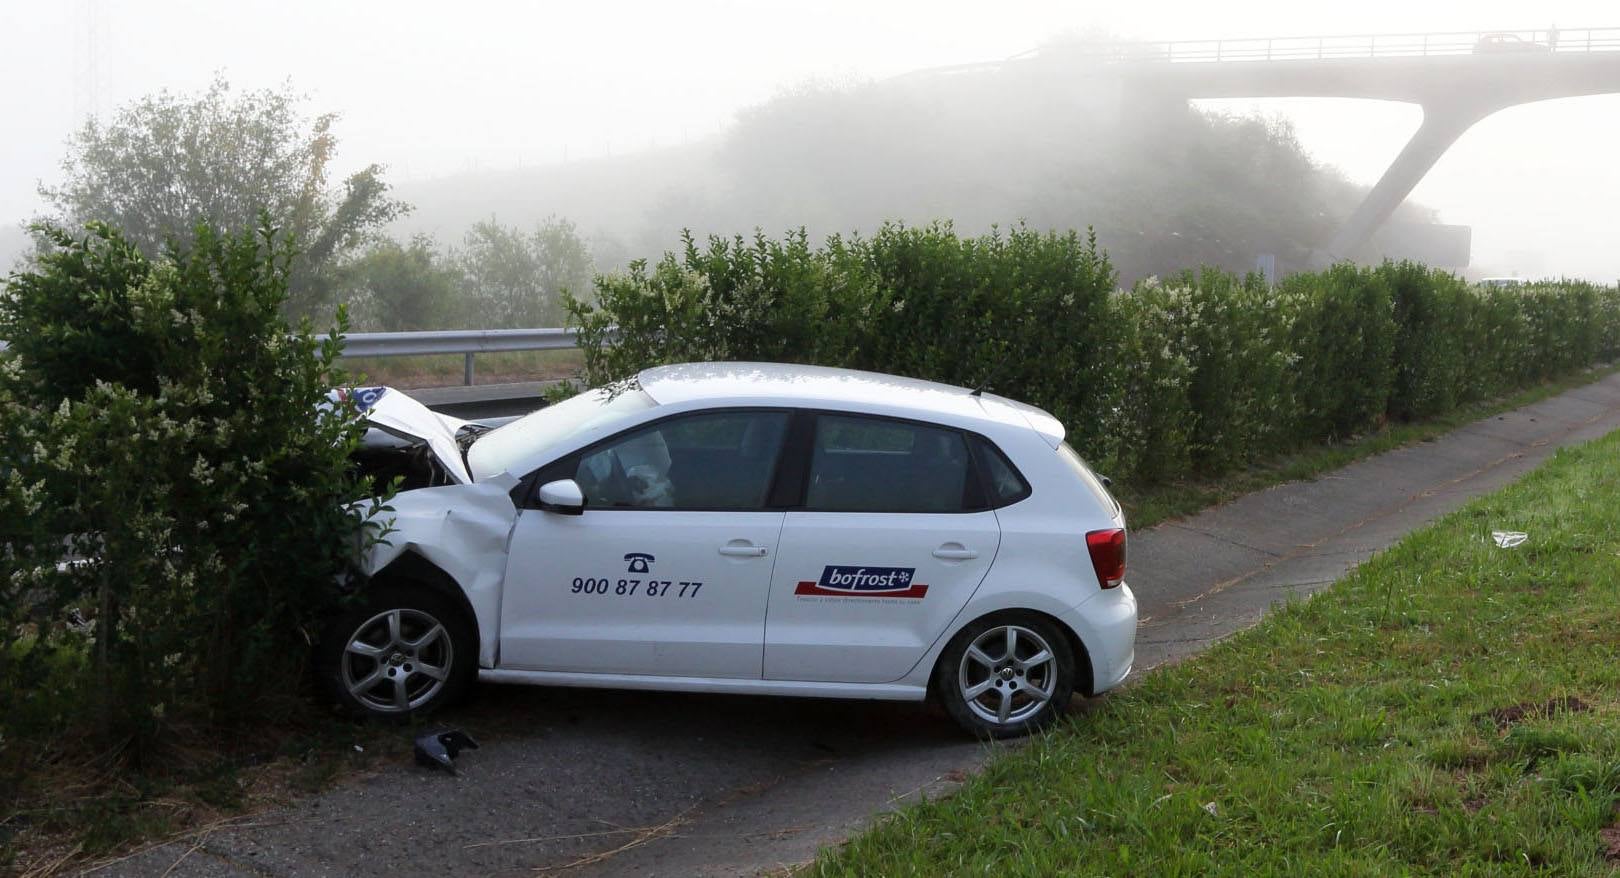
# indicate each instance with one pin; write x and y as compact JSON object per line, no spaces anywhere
{"x":467,"y":342}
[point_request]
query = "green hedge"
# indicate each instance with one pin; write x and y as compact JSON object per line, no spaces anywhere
{"x":161,"y":421}
{"x":1194,"y":374}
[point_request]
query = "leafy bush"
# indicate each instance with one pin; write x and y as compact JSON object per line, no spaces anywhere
{"x":1197,"y":374}
{"x":161,"y":421}
{"x":1343,"y":347}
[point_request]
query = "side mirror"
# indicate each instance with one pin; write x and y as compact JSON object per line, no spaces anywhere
{"x":562,"y":497}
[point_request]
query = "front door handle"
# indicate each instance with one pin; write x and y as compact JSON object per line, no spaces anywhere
{"x":744,"y":550}
{"x":955,"y":552}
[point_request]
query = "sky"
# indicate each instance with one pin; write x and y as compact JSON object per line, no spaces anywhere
{"x":435,"y":88}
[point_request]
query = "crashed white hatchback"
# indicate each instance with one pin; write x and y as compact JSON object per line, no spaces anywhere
{"x":744,"y":528}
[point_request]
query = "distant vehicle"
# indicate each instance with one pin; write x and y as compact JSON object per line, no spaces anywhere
{"x":1493,"y":43}
{"x":750,"y":528}
{"x":1504,"y":282}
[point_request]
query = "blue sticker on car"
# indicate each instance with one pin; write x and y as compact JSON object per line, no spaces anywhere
{"x":362,"y":397}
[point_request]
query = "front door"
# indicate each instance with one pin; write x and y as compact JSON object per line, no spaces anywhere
{"x":668,"y":570}
{"x":893,"y":540}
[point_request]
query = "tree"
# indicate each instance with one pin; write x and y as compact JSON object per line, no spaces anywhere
{"x":166,"y":163}
{"x":517,"y":279}
{"x":396,"y":287}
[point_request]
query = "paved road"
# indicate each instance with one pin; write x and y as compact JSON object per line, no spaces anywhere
{"x":710,"y":785}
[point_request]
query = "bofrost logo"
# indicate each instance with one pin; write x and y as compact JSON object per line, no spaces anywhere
{"x":864,"y":582}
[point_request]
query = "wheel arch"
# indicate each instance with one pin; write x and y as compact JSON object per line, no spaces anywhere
{"x":1084,"y":676}
{"x":412,"y":567}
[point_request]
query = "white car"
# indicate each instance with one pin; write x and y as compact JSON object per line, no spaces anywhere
{"x":746,"y":528}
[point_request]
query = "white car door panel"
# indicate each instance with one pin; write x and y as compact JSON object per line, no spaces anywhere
{"x":639,"y":591}
{"x":885,"y":552}
{"x":668,"y":569}
{"x":859,"y":597}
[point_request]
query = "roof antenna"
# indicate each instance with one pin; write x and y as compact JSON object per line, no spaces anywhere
{"x":995,"y":372}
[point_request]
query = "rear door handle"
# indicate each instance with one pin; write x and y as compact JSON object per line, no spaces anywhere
{"x":742,"y":550}
{"x":955,"y":552}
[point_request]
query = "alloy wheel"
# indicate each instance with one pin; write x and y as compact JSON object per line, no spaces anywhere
{"x":1008,"y":675}
{"x":397,"y":661}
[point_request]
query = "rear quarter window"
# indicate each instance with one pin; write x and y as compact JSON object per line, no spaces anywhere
{"x":1001,"y":479}
{"x":1104,"y":499}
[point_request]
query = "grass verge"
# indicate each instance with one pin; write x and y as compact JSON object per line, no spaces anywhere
{"x":1147,"y":506}
{"x":1450,"y":708}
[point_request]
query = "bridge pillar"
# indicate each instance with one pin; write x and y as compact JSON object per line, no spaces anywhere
{"x":1443,"y":123}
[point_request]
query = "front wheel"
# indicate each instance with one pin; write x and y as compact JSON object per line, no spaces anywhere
{"x":1006,"y":675}
{"x":405,"y":649}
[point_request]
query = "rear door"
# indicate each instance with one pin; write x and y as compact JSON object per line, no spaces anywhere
{"x":892,"y":539}
{"x":667,"y":570}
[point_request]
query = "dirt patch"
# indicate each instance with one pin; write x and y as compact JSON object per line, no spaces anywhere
{"x":1507,"y":716}
{"x":1610,"y":836}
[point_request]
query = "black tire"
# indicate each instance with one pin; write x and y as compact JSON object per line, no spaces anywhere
{"x":1036,"y":693}
{"x":403,"y":682}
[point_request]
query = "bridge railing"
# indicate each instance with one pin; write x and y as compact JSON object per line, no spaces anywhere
{"x":1320,"y":48}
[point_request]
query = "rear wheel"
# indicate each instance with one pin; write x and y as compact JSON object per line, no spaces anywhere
{"x":1006,"y":675}
{"x":405,"y":649}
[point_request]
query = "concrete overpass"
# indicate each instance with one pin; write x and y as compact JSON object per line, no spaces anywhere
{"x":1457,"y":79}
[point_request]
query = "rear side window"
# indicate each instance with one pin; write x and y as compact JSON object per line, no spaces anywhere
{"x":1001,"y":480}
{"x":860,"y":464}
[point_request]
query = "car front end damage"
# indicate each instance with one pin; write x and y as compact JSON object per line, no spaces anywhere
{"x":439,"y":515}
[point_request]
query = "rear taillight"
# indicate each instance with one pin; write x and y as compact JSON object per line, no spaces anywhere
{"x":1108,"y":555}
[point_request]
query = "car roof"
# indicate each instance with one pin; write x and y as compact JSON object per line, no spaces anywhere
{"x":822,"y":386}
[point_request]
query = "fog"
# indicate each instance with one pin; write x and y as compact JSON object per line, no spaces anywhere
{"x":636,"y":119}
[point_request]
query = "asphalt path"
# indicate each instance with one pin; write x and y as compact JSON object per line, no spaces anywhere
{"x":582,"y":782}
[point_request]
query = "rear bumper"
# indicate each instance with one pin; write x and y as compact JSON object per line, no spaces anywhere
{"x":1106,"y":625}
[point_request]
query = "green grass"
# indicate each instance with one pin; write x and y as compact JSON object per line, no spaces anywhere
{"x":1349,"y":734}
{"x":1149,"y":505}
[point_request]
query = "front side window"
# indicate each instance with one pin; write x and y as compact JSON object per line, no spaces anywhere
{"x":710,"y":460}
{"x":876,"y":465}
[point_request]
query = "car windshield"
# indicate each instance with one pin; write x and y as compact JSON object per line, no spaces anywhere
{"x":500,"y":449}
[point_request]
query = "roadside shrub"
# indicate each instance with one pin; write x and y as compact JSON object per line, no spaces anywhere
{"x":161,"y":422}
{"x":1155,"y":423}
{"x":1196,"y":374}
{"x":1015,"y":311}
{"x":1343,"y":347}
{"x":1437,"y":330}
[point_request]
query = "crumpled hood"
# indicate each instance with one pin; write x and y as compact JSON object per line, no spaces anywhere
{"x":396,"y":420}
